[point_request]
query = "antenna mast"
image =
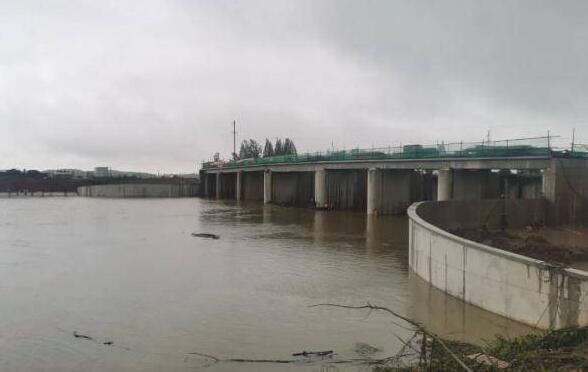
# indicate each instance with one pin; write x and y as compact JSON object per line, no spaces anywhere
{"x":234,"y":139}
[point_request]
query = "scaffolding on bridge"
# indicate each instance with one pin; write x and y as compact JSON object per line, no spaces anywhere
{"x":536,"y":146}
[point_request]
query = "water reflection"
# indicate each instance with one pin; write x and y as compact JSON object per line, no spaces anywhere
{"x":452,"y":318}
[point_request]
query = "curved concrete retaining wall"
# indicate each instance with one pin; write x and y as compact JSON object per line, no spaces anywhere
{"x":139,"y":190}
{"x":517,"y":287}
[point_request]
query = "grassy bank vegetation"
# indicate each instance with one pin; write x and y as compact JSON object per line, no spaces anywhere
{"x":557,"y":350}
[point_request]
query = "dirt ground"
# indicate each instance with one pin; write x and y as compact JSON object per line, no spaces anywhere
{"x":567,"y":245}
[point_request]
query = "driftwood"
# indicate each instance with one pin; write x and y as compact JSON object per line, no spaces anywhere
{"x":317,"y":353}
{"x":215,"y":359}
{"x":307,"y":355}
{"x":417,"y":325}
{"x":206,"y":235}
{"x":90,"y":338}
{"x":85,"y":337}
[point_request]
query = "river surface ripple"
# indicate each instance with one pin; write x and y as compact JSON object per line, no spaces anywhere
{"x":129,"y":272}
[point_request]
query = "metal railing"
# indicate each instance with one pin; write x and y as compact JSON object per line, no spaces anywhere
{"x":537,"y":146}
{"x":579,"y":150}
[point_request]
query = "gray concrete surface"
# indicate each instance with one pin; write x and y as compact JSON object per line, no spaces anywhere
{"x":267,"y":187}
{"x":527,"y":162}
{"x":320,"y":187}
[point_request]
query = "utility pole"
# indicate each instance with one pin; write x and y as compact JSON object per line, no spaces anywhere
{"x":573,"y":138}
{"x":234,"y":139}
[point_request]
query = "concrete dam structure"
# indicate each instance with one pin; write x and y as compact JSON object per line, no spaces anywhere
{"x":378,"y":182}
{"x":456,"y":189}
{"x":140,"y":190}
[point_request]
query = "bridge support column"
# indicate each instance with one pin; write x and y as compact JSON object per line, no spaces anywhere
{"x":218,"y":185}
{"x":374,"y":191}
{"x":267,"y":187}
{"x":320,"y":187}
{"x":238,"y":182}
{"x":445,"y":184}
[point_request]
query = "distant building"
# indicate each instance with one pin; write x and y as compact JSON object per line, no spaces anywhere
{"x":101,"y":172}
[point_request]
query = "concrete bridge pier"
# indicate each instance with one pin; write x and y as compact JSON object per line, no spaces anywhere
{"x":238,"y":182}
{"x":445,"y":184}
{"x":267,"y":187}
{"x":374,"y":191}
{"x":320,"y":187}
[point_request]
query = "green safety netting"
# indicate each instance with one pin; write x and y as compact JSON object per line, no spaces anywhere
{"x":579,"y":150}
{"x":537,"y":146}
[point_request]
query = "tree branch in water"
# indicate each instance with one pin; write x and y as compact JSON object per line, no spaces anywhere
{"x":418,"y":326}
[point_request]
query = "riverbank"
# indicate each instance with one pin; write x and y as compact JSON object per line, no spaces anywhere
{"x":567,"y":245}
{"x":556,"y":350}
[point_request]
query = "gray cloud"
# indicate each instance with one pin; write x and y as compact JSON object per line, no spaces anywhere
{"x":154,"y":85}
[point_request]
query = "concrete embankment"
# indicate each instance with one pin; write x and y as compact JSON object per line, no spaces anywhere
{"x":518,"y":287}
{"x":139,"y":190}
{"x":37,"y":194}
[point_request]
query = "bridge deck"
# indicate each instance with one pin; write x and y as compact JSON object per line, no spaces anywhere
{"x":521,"y":162}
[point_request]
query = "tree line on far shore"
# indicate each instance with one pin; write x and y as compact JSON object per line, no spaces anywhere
{"x":251,"y":149}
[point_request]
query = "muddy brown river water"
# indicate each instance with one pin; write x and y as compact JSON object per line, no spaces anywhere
{"x":130,"y":272}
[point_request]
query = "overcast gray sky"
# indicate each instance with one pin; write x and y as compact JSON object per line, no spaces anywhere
{"x":154,"y":85}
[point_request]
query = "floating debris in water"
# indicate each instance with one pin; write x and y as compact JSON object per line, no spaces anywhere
{"x":79,"y":335}
{"x":363,"y":348}
{"x":206,"y":235}
{"x":314,"y":353}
